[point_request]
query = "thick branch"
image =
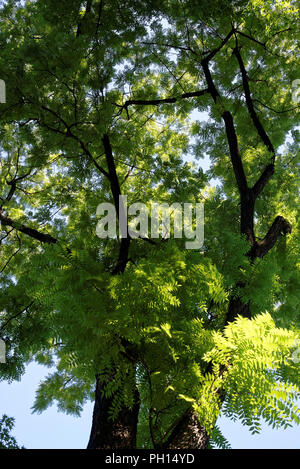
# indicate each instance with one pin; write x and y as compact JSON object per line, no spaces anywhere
{"x":263,"y":179}
{"x":235,"y":153}
{"x":112,"y":172}
{"x":42,"y":237}
{"x":269,"y":169}
{"x":230,"y":133}
{"x":156,"y":102}
{"x":217,"y":49}
{"x":279,"y":227}
{"x":81,"y":22}
{"x":255,"y":119}
{"x":116,"y":192}
{"x":13,"y":184}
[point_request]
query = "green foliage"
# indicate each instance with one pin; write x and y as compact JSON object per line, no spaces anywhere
{"x":257,"y":358}
{"x":70,"y":76}
{"x":6,"y":440}
{"x":218,"y":441}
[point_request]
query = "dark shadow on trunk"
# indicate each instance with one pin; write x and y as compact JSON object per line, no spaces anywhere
{"x":188,"y":434}
{"x":113,"y":434}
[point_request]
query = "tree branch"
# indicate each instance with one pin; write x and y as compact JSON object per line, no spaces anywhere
{"x":235,"y":153}
{"x":116,"y":192}
{"x":9,"y":259}
{"x":112,"y":172}
{"x":217,"y":49}
{"x":171,"y":46}
{"x":263,"y":179}
{"x":236,"y":159}
{"x":279,"y":227}
{"x":276,"y":111}
{"x":255,"y":119}
{"x":262,"y":44}
{"x":156,"y":102}
{"x":15,"y":316}
{"x":12,"y":190}
{"x":33,"y":233}
{"x":87,"y":11}
{"x":70,"y":134}
{"x":13,"y":184}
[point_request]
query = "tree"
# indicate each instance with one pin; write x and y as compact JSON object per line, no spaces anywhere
{"x":6,"y":440}
{"x":99,"y":102}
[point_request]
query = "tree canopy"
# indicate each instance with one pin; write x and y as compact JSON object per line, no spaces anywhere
{"x":106,"y":98}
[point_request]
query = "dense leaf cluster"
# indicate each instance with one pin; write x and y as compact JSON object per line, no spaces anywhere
{"x":105,"y":98}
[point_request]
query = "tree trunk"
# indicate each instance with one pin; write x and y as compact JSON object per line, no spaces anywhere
{"x":236,"y":307}
{"x":113,"y":434}
{"x":188,"y":434}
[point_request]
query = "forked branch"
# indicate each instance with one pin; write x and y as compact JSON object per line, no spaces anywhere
{"x":279,"y":227}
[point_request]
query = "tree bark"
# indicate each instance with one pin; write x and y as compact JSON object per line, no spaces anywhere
{"x":113,"y":434}
{"x":33,"y":233}
{"x":237,"y":308}
{"x":188,"y":434}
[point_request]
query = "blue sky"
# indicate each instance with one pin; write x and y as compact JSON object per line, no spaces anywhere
{"x":54,"y":430}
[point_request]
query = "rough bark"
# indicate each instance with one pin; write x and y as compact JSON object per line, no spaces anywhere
{"x":112,"y":434}
{"x":188,"y":434}
{"x":279,"y":227}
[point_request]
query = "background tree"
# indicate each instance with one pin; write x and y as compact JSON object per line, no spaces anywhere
{"x":100,"y":96}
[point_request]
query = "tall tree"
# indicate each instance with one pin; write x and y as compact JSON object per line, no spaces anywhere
{"x":100,"y":100}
